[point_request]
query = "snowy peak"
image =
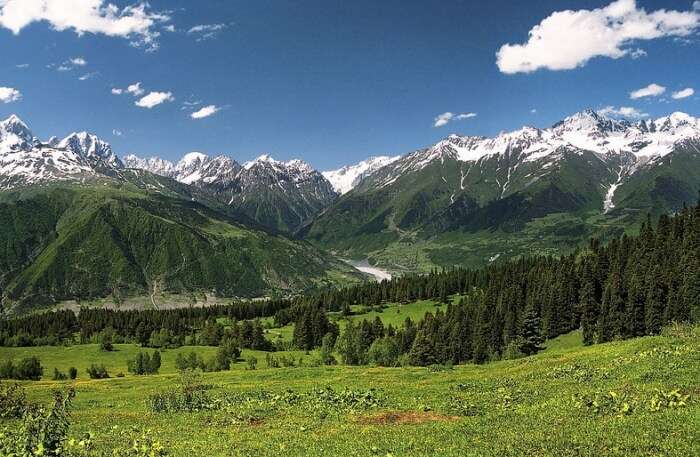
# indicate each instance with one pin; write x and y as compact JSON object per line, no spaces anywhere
{"x":345,"y":179}
{"x":14,"y":134}
{"x":24,"y":160}
{"x":90,"y":146}
{"x":155,"y":165}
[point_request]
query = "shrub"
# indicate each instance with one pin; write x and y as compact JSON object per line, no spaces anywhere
{"x":13,"y":401}
{"x":97,"y":372}
{"x":144,"y":363}
{"x":252,"y":362}
{"x":26,"y":369}
{"x":190,"y":395}
{"x":59,"y":376}
{"x":106,"y":340}
{"x":73,"y":372}
{"x":43,"y":431}
{"x":191,"y":361}
{"x":384,"y":352}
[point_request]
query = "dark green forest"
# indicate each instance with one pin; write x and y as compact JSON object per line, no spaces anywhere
{"x":629,"y":287}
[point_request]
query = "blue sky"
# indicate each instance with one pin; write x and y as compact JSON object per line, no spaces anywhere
{"x":334,"y":81}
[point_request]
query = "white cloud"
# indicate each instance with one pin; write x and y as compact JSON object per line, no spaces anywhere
{"x":569,"y":39}
{"x":154,"y":99}
{"x":78,"y":62}
{"x":117,"y":91}
{"x":135,"y":89}
{"x":134,"y":22}
{"x":87,"y":76}
{"x":652,"y":90}
{"x":206,"y":31}
{"x":533,"y":111}
{"x":205,"y":111}
{"x":169,"y":28}
{"x":444,"y":118}
{"x":685,"y":93}
{"x":622,"y":112}
{"x":116,"y":132}
{"x":696,"y":5}
{"x":22,"y":65}
{"x":9,"y":95}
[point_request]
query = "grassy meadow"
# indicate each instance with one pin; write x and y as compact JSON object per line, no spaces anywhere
{"x":635,"y":397}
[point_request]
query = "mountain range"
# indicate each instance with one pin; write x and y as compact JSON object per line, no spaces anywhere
{"x":472,"y":200}
{"x":75,"y":223}
{"x":467,"y":200}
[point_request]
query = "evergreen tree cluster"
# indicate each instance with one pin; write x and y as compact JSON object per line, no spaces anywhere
{"x":630,"y":287}
{"x":144,"y":363}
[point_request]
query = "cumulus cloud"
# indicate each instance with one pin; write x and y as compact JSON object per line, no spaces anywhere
{"x":652,"y":90}
{"x":685,"y":93}
{"x":116,"y":132}
{"x":206,"y":31}
{"x":136,"y":23}
{"x":445,"y":118}
{"x":9,"y":95}
{"x":117,"y":91}
{"x":569,"y":39}
{"x":154,"y":99}
{"x":626,"y":112}
{"x":135,"y":89}
{"x":205,"y":111}
{"x":78,"y":62}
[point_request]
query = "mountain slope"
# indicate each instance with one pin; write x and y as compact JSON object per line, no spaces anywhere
{"x":474,"y":199}
{"x":279,"y":195}
{"x":347,"y":178}
{"x":75,"y":242}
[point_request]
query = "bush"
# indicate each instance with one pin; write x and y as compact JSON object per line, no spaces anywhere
{"x":59,"y":376}
{"x":384,"y":352}
{"x":26,"y":369}
{"x":43,"y":431}
{"x":191,"y":361}
{"x":13,"y":401}
{"x":106,"y":340}
{"x":252,"y":362}
{"x":190,"y":395}
{"x":144,"y":363}
{"x":97,"y":372}
{"x":73,"y":372}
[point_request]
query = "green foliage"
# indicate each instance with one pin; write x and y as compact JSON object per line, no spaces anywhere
{"x":251,"y":363}
{"x":144,"y":364}
{"x":28,"y":368}
{"x":13,"y":401}
{"x":96,"y":371}
{"x":79,"y":242}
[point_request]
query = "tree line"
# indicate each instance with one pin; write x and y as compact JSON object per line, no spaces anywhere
{"x":630,"y":287}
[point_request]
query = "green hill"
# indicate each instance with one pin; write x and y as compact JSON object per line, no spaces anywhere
{"x":108,"y":238}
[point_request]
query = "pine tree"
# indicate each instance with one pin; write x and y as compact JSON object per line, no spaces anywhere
{"x":530,"y":332}
{"x":588,"y":306}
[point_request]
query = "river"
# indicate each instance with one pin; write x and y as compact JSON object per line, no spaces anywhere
{"x":365,"y":267}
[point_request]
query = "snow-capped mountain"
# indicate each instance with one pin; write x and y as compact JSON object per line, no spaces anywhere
{"x":155,"y":165}
{"x":346,"y":178}
{"x":279,"y":195}
{"x":26,"y":160}
{"x":585,"y":164}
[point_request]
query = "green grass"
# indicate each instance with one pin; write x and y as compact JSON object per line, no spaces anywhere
{"x":519,"y":407}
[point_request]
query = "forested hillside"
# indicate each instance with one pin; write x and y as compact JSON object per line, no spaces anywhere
{"x":81,"y":242}
{"x":629,"y":287}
